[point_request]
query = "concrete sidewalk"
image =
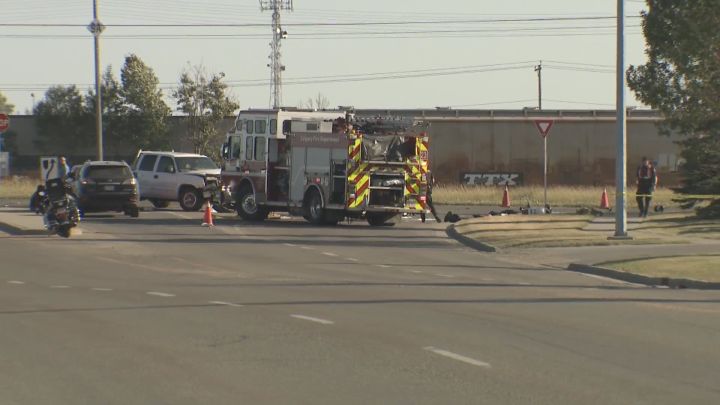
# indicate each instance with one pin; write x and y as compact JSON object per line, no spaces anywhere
{"x":20,"y":221}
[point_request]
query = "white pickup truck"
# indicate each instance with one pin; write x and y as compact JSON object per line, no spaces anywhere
{"x":187,"y":178}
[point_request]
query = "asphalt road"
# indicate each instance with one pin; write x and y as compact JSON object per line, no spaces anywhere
{"x":159,"y":310}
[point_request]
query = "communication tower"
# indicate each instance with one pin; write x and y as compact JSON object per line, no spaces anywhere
{"x":275,"y":65}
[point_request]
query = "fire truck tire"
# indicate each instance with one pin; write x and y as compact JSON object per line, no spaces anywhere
{"x":314,"y":210}
{"x":379,"y":218}
{"x":247,"y":208}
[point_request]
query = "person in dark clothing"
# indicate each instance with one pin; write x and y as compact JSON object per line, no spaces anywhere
{"x":646,"y":182}
{"x":36,"y":200}
{"x":428,"y":199}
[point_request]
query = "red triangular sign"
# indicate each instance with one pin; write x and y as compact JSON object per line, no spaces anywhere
{"x":544,"y":126}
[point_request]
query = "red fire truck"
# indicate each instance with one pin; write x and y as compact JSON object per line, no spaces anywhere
{"x":325,"y":166}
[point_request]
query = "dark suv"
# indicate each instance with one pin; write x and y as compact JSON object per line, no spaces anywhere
{"x":105,"y":186}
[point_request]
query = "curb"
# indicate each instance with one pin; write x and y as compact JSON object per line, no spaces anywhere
{"x":469,"y":242}
{"x":640,"y":279}
{"x":13,"y":230}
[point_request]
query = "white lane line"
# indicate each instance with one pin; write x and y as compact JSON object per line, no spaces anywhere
{"x":524,"y":284}
{"x":311,"y":319}
{"x":307,"y":247}
{"x":15,"y":282}
{"x":383,"y":266}
{"x":159,"y":294}
{"x":352,"y":259}
{"x":102,"y":289}
{"x":289,"y":244}
{"x":59,"y":286}
{"x":416,"y":271}
{"x":227,"y":304}
{"x":458,"y":357}
{"x":445,"y":275}
{"x":329,"y":254}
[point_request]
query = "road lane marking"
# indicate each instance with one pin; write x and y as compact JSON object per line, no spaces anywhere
{"x":524,"y":283}
{"x":383,"y":266}
{"x":15,"y":282}
{"x":352,"y":259}
{"x":307,"y":247}
{"x":159,"y":294}
{"x":329,"y":254}
{"x":311,"y":319}
{"x":445,"y":275}
{"x":59,"y":286}
{"x":458,"y":357}
{"x":102,"y":289}
{"x":289,"y":244}
{"x":227,"y":304}
{"x":416,"y":271}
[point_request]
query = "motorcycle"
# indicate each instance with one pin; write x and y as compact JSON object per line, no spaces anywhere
{"x":59,"y":208}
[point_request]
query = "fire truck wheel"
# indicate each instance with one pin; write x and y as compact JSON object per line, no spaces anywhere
{"x":379,"y":218}
{"x":247,"y":208}
{"x":314,"y":211}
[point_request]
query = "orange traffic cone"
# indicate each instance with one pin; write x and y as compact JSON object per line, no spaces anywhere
{"x":604,"y":204}
{"x":506,"y":197}
{"x":208,"y":218}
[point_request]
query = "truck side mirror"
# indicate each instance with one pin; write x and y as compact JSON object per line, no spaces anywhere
{"x":225,"y":151}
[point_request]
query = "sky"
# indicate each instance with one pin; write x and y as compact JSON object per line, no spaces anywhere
{"x":368,"y":54}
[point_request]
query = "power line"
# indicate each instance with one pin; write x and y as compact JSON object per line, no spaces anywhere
{"x":527,"y":100}
{"x":433,"y":72}
{"x":319,"y":34}
{"x":326,"y":24}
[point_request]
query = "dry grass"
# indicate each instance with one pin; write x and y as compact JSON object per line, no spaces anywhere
{"x":17,"y":187}
{"x":526,"y":231}
{"x":705,"y":268}
{"x":557,"y":196}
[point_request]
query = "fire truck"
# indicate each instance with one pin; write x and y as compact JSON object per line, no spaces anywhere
{"x":325,"y":166}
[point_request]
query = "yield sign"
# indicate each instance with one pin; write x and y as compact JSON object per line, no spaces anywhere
{"x":544,"y":126}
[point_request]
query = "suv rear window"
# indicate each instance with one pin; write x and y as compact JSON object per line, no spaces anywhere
{"x":108,"y":172}
{"x":147,"y":164}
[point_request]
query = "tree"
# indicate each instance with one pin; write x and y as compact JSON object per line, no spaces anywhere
{"x":62,"y":121}
{"x":5,"y":107}
{"x":682,"y":79}
{"x":145,"y":114}
{"x":320,"y":102}
{"x":113,"y":111}
{"x":204,"y":101}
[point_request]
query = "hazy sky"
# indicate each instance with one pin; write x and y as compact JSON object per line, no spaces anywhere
{"x":455,"y":51}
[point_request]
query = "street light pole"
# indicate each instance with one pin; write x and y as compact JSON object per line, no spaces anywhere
{"x":96,"y":28}
{"x":621,"y":157}
{"x":538,"y":69}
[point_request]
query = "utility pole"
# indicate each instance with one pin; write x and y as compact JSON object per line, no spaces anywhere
{"x":96,"y":28}
{"x":275,"y":65}
{"x":621,"y":157}
{"x":538,"y":69}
